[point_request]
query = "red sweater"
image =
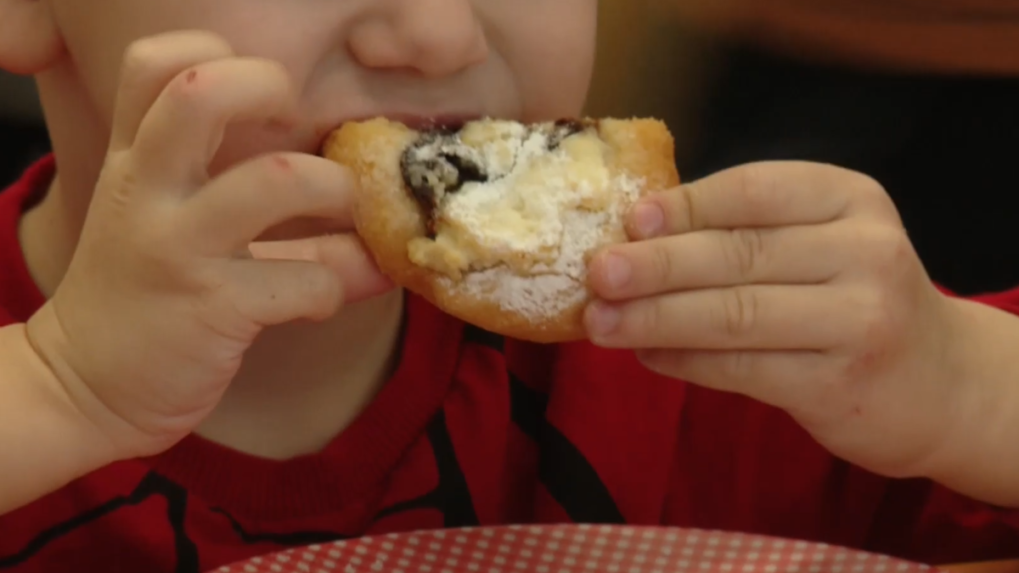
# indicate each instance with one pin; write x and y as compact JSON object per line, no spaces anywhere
{"x":476,"y":429}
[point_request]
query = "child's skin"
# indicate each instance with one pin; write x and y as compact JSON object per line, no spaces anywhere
{"x":792,"y":283}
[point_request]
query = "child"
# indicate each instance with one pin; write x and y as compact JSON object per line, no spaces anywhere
{"x":133,"y":295}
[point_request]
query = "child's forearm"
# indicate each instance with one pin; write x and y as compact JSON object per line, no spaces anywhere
{"x":45,"y":442}
{"x":982,"y":458}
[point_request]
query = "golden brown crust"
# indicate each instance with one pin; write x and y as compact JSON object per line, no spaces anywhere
{"x":388,"y":217}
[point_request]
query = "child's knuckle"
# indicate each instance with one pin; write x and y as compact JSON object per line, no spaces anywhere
{"x":876,"y":316}
{"x":736,"y":367}
{"x":647,"y":317}
{"x":757,"y":187}
{"x":278,"y":174}
{"x":867,"y":186}
{"x":140,"y":55}
{"x":324,"y":288}
{"x":664,"y":264}
{"x":682,"y":210}
{"x":888,"y":248}
{"x":745,"y":249}
{"x":189,"y":89}
{"x":739,"y":312}
{"x":154,"y":240}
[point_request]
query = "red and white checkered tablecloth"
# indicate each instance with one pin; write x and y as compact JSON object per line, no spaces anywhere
{"x":572,"y":549}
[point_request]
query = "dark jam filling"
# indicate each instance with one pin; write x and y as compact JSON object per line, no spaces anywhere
{"x":451,"y":167}
{"x":564,"y":128}
{"x":446,"y":172}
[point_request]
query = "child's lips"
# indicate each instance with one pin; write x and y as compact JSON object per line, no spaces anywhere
{"x":447,"y":121}
{"x":414,"y":121}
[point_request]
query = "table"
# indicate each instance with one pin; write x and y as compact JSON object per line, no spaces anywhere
{"x":585,"y":549}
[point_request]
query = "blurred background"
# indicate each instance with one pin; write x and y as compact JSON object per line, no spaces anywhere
{"x":919,"y":94}
{"x":22,"y":137}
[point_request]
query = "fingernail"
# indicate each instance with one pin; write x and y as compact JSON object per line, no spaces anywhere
{"x":617,"y":271}
{"x":602,"y":319}
{"x":648,"y":219}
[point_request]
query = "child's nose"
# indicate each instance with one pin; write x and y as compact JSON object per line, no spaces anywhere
{"x":432,"y":37}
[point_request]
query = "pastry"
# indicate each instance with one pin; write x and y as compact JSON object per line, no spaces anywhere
{"x":494,"y":221}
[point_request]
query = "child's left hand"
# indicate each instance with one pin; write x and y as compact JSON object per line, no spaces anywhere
{"x":794,"y":284}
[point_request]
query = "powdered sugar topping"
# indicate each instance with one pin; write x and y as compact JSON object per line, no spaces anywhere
{"x":539,"y":218}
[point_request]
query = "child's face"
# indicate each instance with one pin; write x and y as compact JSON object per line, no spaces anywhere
{"x":525,"y":59}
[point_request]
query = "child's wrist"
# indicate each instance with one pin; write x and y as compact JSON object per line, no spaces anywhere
{"x":45,"y":441}
{"x":61,"y":392}
{"x":980,"y":364}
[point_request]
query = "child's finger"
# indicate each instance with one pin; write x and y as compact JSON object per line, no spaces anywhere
{"x":791,"y":380}
{"x":344,"y":254}
{"x":812,"y":254}
{"x":759,"y":195}
{"x":241,"y":204}
{"x":761,"y":317}
{"x":149,"y":64}
{"x":185,"y":125}
{"x":267,"y":293}
{"x":707,"y":259}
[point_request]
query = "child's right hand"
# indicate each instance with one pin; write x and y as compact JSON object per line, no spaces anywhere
{"x":163,"y":295}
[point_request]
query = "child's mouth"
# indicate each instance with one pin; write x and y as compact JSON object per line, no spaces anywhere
{"x":417,"y":121}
